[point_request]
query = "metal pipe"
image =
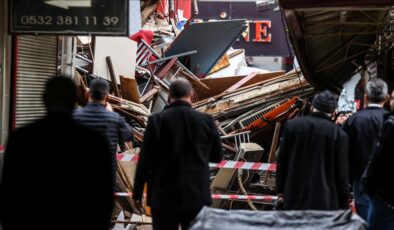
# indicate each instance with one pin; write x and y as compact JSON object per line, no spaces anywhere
{"x":83,"y":58}
{"x":67,"y":56}
{"x":81,"y":69}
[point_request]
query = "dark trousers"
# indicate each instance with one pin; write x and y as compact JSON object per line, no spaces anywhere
{"x":172,"y":219}
{"x":381,"y":217}
{"x":361,"y":200}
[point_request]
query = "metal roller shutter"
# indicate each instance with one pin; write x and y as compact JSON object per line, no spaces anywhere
{"x":36,"y":62}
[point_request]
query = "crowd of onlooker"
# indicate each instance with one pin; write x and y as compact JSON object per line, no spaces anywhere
{"x":321,"y":162}
{"x":65,"y":163}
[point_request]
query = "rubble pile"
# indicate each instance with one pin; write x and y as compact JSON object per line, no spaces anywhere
{"x":248,"y":108}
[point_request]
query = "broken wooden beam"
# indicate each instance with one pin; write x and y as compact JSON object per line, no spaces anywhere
{"x":274,"y":143}
{"x":150,"y":94}
{"x":112,"y":74}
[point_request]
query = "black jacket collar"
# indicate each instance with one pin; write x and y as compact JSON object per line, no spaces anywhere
{"x":178,"y":103}
{"x":321,"y":115}
{"x":373,"y":108}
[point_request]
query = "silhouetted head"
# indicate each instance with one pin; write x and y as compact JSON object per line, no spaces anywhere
{"x":98,"y":90}
{"x":325,"y":102}
{"x":376,"y":92}
{"x":60,"y":95}
{"x":181,"y":89}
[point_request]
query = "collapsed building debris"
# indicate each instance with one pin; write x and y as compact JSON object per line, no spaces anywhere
{"x":248,"y":108}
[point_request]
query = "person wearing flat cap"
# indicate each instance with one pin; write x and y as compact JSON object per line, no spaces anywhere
{"x":312,"y":169}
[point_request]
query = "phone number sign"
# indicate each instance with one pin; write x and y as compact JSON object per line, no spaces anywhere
{"x":69,"y":17}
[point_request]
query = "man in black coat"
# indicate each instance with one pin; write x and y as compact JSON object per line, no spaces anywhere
{"x":378,"y":180}
{"x":312,"y":170}
{"x":178,"y":145}
{"x":57,"y":173}
{"x":363,"y":129}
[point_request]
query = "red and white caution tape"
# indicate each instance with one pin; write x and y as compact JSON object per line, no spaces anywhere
{"x":123,"y":194}
{"x":224,"y":164}
{"x":244,"y":165}
{"x":267,"y":198}
{"x":127,"y":157}
{"x":244,"y":197}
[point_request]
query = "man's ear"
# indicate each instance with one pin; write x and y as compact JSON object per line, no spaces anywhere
{"x":366,"y":100}
{"x":87,"y":94}
{"x":386,"y":99}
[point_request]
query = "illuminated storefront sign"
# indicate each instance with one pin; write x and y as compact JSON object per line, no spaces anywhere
{"x":265,"y":34}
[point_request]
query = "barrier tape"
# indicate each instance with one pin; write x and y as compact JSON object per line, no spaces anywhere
{"x":244,"y":165}
{"x":267,"y":198}
{"x":244,"y":197}
{"x":224,"y":164}
{"x":127,"y":157}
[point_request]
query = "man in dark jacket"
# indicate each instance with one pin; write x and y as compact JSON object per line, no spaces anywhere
{"x":312,"y":171}
{"x":378,"y":180}
{"x":98,"y":115}
{"x":57,"y":173}
{"x":363,"y":129}
{"x":178,"y":145}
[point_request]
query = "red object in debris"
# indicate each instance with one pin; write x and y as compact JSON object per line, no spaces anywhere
{"x":147,"y":35}
{"x":161,"y":7}
{"x":185,"y":5}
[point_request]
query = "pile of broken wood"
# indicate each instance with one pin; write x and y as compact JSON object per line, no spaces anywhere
{"x":249,"y":110}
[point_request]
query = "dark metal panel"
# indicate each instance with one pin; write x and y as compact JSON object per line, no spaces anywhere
{"x":210,"y":39}
{"x":331,"y":43}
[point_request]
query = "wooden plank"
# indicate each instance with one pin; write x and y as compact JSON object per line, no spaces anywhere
{"x":241,"y":83}
{"x":112,"y":74}
{"x":129,"y":89}
{"x":147,"y":11}
{"x":165,"y":68}
{"x":129,"y":105}
{"x":221,"y":64}
{"x":274,"y":143}
{"x":216,"y":86}
{"x":150,"y":94}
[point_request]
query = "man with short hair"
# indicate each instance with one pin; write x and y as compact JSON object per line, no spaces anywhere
{"x":57,"y":173}
{"x":98,"y":115}
{"x":378,"y":180}
{"x":178,"y":145}
{"x":312,"y":169}
{"x":363,"y":129}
